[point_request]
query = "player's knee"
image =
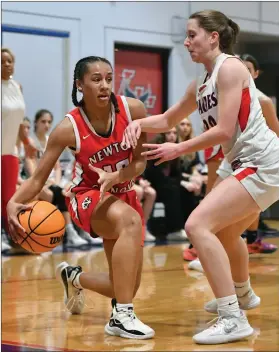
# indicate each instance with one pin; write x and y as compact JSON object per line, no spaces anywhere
{"x":131,"y":222}
{"x":192,"y":227}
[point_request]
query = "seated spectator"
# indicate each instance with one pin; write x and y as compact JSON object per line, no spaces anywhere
{"x":165,"y":179}
{"x":25,"y":167}
{"x":191,"y":167}
{"x":147,"y":196}
{"x":191,"y":164}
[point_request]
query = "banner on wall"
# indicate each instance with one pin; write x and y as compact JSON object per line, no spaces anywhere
{"x":138,"y":75}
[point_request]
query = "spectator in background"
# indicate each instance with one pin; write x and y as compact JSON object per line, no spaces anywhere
{"x":165,"y":179}
{"x":52,"y":192}
{"x":13,"y":108}
{"x":25,"y":164}
{"x":147,"y":196}
{"x":190,"y":166}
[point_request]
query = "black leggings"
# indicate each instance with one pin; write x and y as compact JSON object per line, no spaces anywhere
{"x":58,"y":198}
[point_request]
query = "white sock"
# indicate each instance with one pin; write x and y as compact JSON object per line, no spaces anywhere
{"x":76,"y":282}
{"x":124,"y":305}
{"x":241,"y":288}
{"x":228,"y":306}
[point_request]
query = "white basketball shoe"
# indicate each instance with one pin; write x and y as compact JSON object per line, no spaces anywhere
{"x":124,"y":323}
{"x":73,"y":296}
{"x":226,"y":329}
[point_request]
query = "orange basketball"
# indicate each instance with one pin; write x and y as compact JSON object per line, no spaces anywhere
{"x":44,"y":225}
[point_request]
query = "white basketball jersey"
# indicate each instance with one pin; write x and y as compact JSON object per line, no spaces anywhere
{"x":252,"y":140}
{"x":40,"y":151}
{"x":13,"y":108}
{"x":260,"y":94}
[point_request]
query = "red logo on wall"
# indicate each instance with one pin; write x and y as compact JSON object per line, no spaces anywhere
{"x":139,"y":92}
{"x":139,"y":75}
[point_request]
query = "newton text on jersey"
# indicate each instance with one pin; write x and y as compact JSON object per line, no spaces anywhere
{"x":110,"y":150}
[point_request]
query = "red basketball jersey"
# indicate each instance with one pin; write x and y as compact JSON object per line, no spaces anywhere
{"x":103,"y":152}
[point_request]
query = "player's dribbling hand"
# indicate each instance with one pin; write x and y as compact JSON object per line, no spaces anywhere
{"x":16,"y":231}
{"x":163,"y":152}
{"x":132,"y":134}
{"x":106,"y":180}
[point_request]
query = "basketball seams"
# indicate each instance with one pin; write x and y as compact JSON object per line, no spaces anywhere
{"x":29,"y":218}
{"x":32,"y":231}
{"x":29,"y":215}
{"x":26,"y":242}
{"x":37,"y":246}
{"x":30,"y":246}
{"x":43,"y":245}
{"x":47,"y":234}
{"x":27,"y":235}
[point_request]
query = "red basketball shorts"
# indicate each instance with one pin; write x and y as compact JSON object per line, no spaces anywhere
{"x":9,"y":176}
{"x":84,"y":203}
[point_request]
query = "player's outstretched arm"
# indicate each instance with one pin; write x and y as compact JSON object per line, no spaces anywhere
{"x":231,"y":77}
{"x":230,"y":80}
{"x":163,"y":122}
{"x":59,"y":139}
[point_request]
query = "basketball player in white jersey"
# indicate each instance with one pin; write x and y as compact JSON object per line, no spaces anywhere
{"x":254,"y":242}
{"x":214,"y":157}
{"x":228,"y":104}
{"x":13,"y":108}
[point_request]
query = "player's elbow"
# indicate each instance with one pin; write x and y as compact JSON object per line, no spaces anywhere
{"x":141,"y":165}
{"x":225,"y":134}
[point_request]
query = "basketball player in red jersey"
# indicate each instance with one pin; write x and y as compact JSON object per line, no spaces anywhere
{"x":100,"y":199}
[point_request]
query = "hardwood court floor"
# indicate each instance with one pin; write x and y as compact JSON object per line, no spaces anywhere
{"x":170,"y":300}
